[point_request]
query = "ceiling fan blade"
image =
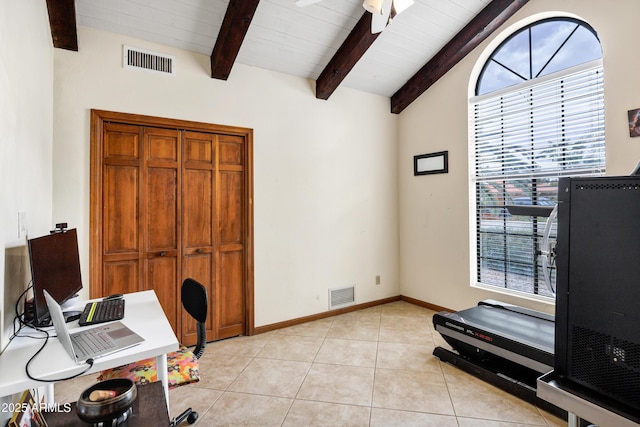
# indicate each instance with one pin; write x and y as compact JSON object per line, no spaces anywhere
{"x":380,"y":21}
{"x":303,"y":3}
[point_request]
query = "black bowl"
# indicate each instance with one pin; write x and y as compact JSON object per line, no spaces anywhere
{"x":111,"y":408}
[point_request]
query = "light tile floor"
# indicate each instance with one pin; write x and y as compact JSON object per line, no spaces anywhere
{"x":372,"y":367}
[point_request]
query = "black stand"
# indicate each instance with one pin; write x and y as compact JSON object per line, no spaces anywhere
{"x":149,"y":409}
{"x":189,"y":414}
{"x":512,"y":386}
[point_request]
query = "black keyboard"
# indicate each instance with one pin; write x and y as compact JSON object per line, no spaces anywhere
{"x":102,"y":311}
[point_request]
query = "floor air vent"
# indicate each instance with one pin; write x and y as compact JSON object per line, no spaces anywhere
{"x":340,"y":297}
{"x":147,"y":60}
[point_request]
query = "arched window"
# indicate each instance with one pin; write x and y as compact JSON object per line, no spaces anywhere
{"x":537,"y":115}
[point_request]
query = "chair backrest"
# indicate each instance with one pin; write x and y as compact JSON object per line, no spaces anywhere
{"x":196,"y":301}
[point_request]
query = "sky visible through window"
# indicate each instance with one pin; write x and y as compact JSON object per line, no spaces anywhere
{"x":539,"y":50}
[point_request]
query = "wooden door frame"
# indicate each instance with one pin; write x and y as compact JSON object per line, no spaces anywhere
{"x":98,"y":119}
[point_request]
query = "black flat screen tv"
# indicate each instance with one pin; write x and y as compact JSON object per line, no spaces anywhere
{"x":597,"y":341}
{"x":55,"y":266}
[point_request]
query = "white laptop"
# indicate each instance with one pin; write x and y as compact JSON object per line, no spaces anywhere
{"x":94,"y":342}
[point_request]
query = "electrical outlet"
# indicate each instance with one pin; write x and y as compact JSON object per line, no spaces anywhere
{"x":377,"y":279}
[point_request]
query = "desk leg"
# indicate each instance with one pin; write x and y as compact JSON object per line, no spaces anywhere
{"x":161,"y":365}
{"x":48,"y":393}
{"x":573,"y":420}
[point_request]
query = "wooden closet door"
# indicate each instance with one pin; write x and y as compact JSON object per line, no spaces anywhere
{"x":198,"y":216}
{"x":171,"y":199}
{"x":162,"y":219}
{"x":121,"y":243}
{"x":230,"y":225}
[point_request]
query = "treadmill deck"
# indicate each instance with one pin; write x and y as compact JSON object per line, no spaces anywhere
{"x":525,"y":337}
{"x":505,"y":345}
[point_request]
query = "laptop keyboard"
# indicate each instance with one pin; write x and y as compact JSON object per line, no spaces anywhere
{"x":102,"y":311}
{"x":92,"y":343}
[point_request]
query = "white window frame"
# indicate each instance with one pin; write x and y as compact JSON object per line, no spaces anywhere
{"x":474,"y":216}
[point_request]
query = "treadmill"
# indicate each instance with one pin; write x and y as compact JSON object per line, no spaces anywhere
{"x":506,"y":345}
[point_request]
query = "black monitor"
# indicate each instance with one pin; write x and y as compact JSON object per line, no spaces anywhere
{"x":55,"y":266}
{"x":597,"y":341}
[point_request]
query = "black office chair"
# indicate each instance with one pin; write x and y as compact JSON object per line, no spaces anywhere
{"x":196,"y":302}
{"x":182,"y":364}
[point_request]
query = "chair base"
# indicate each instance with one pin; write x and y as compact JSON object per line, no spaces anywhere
{"x":190,"y":415}
{"x":182,"y":364}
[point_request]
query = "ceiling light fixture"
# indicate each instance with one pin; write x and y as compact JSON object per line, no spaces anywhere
{"x":373,"y":6}
{"x":377,"y":6}
{"x":382,"y":11}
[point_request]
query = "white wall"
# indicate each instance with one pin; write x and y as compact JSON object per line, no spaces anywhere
{"x":434,"y":210}
{"x":325,"y":172}
{"x":26,"y":111}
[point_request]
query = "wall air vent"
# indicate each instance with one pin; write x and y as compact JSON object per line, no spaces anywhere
{"x":341,"y":297}
{"x":141,"y":59}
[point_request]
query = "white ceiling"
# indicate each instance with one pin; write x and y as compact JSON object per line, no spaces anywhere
{"x":292,"y":40}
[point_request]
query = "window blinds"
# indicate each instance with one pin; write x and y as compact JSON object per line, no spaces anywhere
{"x":553,"y":128}
{"x":525,"y":138}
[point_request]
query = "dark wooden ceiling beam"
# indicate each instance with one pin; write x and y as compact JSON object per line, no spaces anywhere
{"x":354,"y":46}
{"x":234,"y":28}
{"x":475,"y":32}
{"x":62,"y":20}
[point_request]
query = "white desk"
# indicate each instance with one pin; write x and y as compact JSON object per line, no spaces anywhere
{"x":143,"y":315}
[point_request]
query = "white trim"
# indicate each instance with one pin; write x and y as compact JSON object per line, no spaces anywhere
{"x":476,"y":71}
{"x":513,"y":292}
{"x":506,"y":33}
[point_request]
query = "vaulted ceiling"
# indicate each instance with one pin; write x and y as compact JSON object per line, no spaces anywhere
{"x":329,"y":41}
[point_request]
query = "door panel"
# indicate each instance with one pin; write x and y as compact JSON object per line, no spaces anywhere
{"x":230,"y":219}
{"x":161,"y":209}
{"x":121,"y":277}
{"x":230,"y":293}
{"x":199,"y":266}
{"x":162,"y":144}
{"x":121,"y":142}
{"x":197,"y":208}
{"x":120,"y":220}
{"x":162,"y":222}
{"x":230,"y":273}
{"x":120,"y":216}
{"x":199,"y":149}
{"x":198,"y":216}
{"x":231,"y":151}
{"x":161,"y":271}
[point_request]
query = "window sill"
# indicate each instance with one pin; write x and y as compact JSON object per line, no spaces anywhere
{"x":517,"y":294}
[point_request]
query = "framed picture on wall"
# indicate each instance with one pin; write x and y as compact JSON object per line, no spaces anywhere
{"x":432,"y":163}
{"x":634,"y":122}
